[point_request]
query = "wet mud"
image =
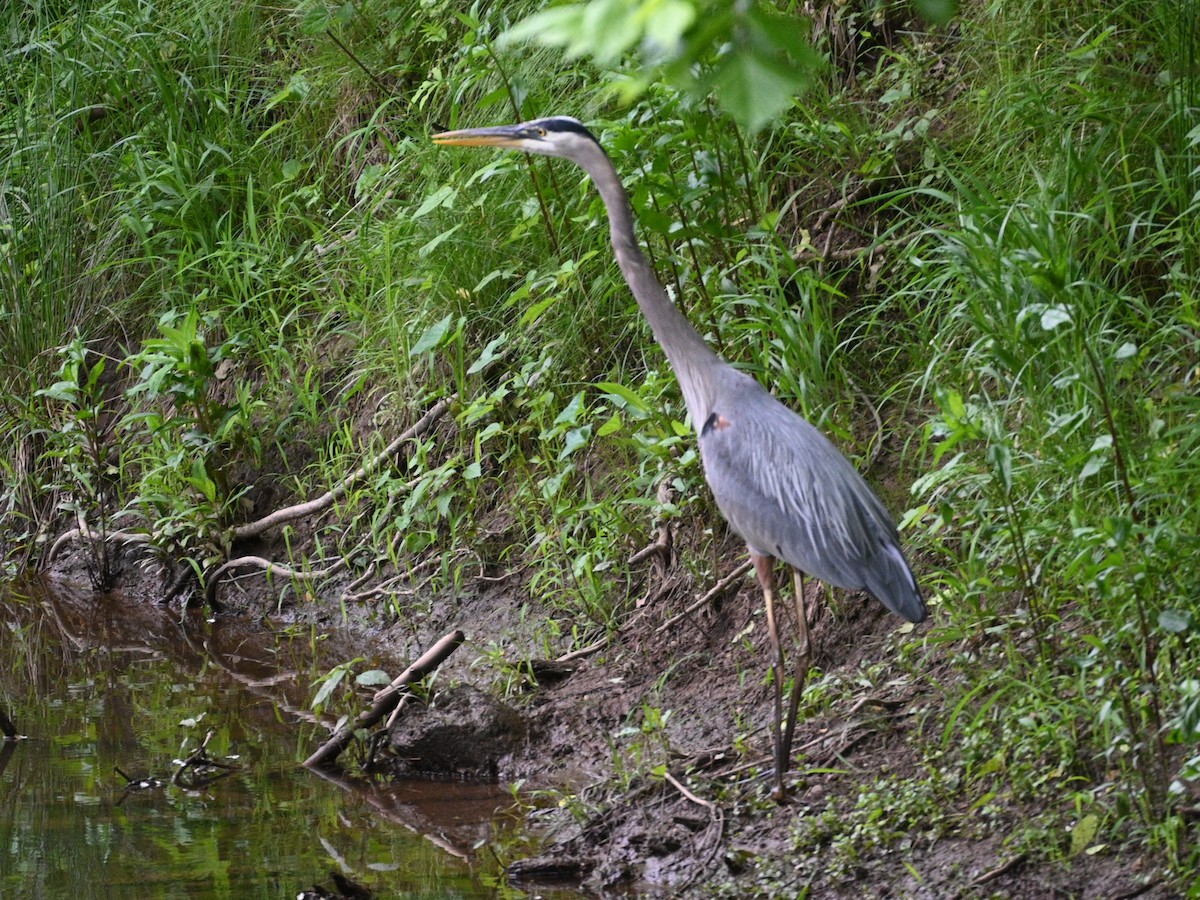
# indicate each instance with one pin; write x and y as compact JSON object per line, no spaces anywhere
{"x":645,"y":766}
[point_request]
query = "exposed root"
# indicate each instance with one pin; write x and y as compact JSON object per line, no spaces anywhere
{"x":270,"y":568}
{"x":661,"y":549}
{"x":326,"y":500}
{"x":829,"y":212}
{"x":390,"y":584}
{"x":313,"y":507}
{"x":662,"y":544}
{"x":83,"y":532}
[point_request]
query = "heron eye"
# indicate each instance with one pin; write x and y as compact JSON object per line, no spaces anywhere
{"x":541,"y":132}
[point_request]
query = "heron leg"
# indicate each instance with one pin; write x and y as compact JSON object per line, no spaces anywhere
{"x":803,"y":660}
{"x":762,"y":568}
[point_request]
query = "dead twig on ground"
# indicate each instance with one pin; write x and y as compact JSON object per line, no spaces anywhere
{"x":326,"y":500}
{"x":712,"y":834}
{"x":805,"y":254}
{"x":993,"y":874}
{"x":837,"y":206}
{"x":716,"y":591}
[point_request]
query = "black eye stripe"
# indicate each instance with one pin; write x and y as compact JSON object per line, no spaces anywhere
{"x":561,"y":124}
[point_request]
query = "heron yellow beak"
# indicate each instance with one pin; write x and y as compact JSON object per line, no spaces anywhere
{"x":499,"y":136}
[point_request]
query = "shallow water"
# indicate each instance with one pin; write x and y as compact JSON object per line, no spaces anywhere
{"x":100,"y":684}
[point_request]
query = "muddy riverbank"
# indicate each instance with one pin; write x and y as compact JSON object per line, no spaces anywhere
{"x":645,"y":762}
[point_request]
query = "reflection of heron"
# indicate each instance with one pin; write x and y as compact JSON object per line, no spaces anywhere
{"x":781,"y":484}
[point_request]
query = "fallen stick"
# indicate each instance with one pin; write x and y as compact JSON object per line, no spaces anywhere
{"x":716,"y":825}
{"x":386,"y":699}
{"x":993,"y":874}
{"x":270,"y":568}
{"x":717,"y":590}
{"x":326,"y":500}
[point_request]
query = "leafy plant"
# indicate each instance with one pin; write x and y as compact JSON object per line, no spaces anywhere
{"x":764,"y":59}
{"x":90,"y":462}
{"x":187,"y":437}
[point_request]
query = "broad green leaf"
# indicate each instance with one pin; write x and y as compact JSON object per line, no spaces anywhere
{"x":1000,"y":457}
{"x":491,"y":431}
{"x":558,"y":26}
{"x":764,"y":57}
{"x":1084,"y":833}
{"x":432,"y":336}
{"x":492,"y":351}
{"x":535,"y":311}
{"x":667,"y":21}
{"x":623,"y":395}
{"x":952,"y":402}
{"x":317,"y":20}
{"x":437,"y":239}
{"x":443,"y":196}
{"x":1091,"y":467}
{"x":64,"y":391}
{"x":1055,"y":316}
{"x":1126,"y":350}
{"x":576,"y":438}
{"x":1175,"y":621}
{"x":332,"y":680}
{"x":570,"y":413}
{"x":777,"y":32}
{"x":754,"y":88}
{"x":608,"y":30}
{"x":373,"y":678}
{"x":612,"y":426}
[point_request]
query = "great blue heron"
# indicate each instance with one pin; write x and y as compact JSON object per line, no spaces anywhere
{"x":778,"y":481}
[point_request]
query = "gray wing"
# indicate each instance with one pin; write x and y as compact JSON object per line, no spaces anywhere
{"x":791,"y":494}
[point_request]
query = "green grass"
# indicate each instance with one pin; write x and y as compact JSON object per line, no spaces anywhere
{"x":1022,"y":196}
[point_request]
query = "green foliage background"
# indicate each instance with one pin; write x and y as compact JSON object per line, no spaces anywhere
{"x":230,"y":258}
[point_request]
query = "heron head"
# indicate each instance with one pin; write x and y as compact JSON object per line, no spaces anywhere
{"x":554,"y":136}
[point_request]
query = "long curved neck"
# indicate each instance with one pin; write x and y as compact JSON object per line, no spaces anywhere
{"x":690,"y":357}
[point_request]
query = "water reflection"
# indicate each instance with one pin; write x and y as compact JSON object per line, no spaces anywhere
{"x":99,"y":684}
